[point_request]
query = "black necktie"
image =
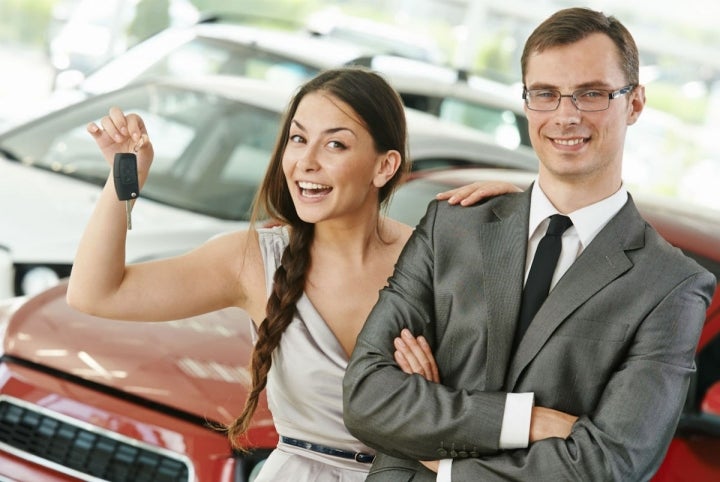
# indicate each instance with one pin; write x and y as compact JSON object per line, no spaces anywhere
{"x":537,"y":286}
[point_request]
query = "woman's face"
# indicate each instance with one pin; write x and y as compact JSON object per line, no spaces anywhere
{"x":330,"y":162}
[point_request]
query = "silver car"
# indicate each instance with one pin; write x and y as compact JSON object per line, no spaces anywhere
{"x":212,"y":137}
{"x":291,"y":57}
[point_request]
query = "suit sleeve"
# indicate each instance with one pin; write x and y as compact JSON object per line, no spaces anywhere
{"x":405,"y":415}
{"x":627,"y":436}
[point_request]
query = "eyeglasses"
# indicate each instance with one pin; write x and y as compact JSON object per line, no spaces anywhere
{"x":586,"y":100}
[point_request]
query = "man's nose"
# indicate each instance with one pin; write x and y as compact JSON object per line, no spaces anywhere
{"x":567,"y":110}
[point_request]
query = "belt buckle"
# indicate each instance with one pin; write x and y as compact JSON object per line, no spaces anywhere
{"x":363,"y":458}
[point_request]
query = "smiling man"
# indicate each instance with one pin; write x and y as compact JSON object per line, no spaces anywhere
{"x":563,"y":326}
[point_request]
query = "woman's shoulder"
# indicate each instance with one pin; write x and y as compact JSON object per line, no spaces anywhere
{"x":273,"y":234}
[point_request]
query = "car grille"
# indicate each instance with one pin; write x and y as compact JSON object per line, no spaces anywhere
{"x":83,"y":450}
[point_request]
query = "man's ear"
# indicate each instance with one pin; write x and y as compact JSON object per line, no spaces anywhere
{"x":636,"y":105}
{"x":387,"y":166}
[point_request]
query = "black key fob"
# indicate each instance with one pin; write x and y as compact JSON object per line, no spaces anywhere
{"x":125,"y":175}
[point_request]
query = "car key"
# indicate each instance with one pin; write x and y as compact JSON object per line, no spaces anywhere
{"x":125,"y":176}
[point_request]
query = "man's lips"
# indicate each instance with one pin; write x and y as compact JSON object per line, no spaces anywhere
{"x":574,"y":141}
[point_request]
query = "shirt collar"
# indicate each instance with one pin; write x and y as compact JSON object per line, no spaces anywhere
{"x":588,"y":221}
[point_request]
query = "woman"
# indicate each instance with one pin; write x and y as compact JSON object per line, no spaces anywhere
{"x":308,"y":284}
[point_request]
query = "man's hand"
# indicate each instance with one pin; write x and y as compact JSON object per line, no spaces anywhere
{"x":547,"y":423}
{"x":415,"y":356}
{"x":431,"y":464}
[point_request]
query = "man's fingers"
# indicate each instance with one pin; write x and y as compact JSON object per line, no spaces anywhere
{"x":418,"y":355}
{"x":432,"y":368}
{"x":402,"y":362}
{"x":410,"y":362}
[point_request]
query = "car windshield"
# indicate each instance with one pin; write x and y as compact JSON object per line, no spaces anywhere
{"x":211,"y":152}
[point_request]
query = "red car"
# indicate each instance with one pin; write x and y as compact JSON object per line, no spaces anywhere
{"x":83,"y":398}
{"x":93,"y":399}
{"x":694,"y":454}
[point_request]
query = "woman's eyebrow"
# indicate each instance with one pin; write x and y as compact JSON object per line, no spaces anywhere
{"x":331,"y":130}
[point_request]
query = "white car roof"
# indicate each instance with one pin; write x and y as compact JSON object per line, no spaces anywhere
{"x":300,"y":46}
{"x":429,"y":135}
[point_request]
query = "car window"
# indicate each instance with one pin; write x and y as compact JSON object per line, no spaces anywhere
{"x":501,"y":124}
{"x":210,"y":152}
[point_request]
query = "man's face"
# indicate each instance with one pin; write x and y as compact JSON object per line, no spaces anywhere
{"x":575,"y":146}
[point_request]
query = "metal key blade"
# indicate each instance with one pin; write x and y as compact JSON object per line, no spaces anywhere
{"x":128,"y":213}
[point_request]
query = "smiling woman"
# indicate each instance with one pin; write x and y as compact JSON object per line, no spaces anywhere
{"x":339,"y":155}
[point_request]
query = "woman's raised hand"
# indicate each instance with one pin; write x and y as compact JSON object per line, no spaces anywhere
{"x":120,"y":132}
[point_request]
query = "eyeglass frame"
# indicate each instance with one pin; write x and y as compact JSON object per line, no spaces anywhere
{"x":573,"y":97}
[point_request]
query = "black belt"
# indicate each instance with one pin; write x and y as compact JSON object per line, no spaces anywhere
{"x":346,"y":454}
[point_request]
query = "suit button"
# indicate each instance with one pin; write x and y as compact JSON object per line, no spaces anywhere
{"x":442,"y":452}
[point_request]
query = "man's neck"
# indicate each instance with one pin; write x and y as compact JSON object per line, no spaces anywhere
{"x":571,"y":196}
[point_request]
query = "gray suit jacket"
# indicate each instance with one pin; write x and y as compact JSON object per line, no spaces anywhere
{"x":614,"y":343}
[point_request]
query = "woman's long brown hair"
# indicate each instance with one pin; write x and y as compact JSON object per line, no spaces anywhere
{"x":380,"y":108}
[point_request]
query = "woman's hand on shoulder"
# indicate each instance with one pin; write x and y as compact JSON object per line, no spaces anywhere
{"x":477,"y":191}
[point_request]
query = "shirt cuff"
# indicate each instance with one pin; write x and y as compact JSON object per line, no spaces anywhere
{"x":444,"y":473}
{"x":515,"y":430}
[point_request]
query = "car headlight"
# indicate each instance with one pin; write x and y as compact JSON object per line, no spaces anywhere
{"x":31,"y":279}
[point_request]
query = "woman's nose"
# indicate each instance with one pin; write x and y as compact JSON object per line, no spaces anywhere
{"x":308,"y":159}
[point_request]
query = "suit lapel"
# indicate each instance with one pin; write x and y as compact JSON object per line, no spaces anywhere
{"x":505,"y":243}
{"x":603,"y":261}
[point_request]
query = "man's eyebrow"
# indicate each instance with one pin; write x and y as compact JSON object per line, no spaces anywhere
{"x":594,"y":84}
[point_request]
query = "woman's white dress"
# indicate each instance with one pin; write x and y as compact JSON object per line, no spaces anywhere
{"x":304,"y":391}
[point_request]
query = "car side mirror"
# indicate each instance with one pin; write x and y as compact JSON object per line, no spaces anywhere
{"x":711,"y":401}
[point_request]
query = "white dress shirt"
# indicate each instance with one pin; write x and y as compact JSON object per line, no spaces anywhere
{"x":587,"y":223}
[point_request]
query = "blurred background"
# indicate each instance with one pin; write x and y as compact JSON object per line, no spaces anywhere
{"x":672,"y":151}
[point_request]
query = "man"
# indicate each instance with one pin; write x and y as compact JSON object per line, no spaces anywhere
{"x":594,"y":387}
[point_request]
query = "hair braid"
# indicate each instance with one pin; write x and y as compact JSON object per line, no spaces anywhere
{"x":288,"y":286}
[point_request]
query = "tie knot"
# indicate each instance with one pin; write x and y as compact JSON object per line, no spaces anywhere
{"x":558,"y":225}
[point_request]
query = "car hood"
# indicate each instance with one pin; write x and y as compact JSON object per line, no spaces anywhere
{"x":197,"y":365}
{"x":44,"y":214}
